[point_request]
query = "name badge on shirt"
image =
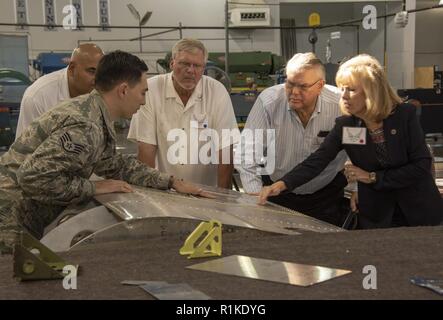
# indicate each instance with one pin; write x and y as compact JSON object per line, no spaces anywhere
{"x":352,"y":135}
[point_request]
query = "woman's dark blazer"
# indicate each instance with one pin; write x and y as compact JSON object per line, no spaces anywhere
{"x":406,"y":182}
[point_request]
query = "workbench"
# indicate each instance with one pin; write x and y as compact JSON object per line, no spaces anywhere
{"x":398,"y":254}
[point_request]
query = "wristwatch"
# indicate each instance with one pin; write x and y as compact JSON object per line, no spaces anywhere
{"x":372,"y":177}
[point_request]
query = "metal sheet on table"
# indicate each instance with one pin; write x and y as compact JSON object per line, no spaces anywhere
{"x":270,"y":270}
{"x":88,"y":222}
{"x":171,"y":291}
{"x":159,"y":228}
{"x":228,"y":207}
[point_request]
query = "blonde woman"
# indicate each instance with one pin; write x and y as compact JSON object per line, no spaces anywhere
{"x":382,"y":137}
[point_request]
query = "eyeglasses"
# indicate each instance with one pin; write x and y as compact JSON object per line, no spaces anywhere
{"x":186,"y":65}
{"x":302,"y":87}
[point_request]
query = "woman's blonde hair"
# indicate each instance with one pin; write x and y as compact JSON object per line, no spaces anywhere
{"x":365,"y":71}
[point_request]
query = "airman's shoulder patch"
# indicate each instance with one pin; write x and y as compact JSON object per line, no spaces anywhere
{"x":70,"y":146}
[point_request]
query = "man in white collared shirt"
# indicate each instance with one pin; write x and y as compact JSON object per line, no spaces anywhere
{"x":180,"y":107}
{"x":51,"y":89}
{"x":301,"y":112}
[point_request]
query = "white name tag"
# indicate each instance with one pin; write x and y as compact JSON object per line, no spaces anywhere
{"x":352,"y":135}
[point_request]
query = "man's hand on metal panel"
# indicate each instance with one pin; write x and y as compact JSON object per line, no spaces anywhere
{"x":188,"y":188}
{"x":110,"y":186}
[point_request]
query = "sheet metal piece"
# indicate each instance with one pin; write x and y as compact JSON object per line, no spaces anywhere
{"x":159,"y":228}
{"x":270,"y":270}
{"x":232,"y":209}
{"x":176,"y":291}
{"x":228,"y":207}
{"x":140,"y":282}
{"x":435,"y":285}
{"x":77,"y":228}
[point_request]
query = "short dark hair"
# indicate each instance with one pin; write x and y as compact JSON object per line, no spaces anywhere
{"x":117,"y":67}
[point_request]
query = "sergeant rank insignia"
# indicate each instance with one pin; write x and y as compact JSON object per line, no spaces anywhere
{"x":71,"y":146}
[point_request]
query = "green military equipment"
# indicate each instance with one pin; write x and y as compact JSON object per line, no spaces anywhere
{"x":14,"y":75}
{"x":34,"y":261}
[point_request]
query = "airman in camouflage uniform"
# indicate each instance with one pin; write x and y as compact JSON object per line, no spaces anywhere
{"x":49,"y":165}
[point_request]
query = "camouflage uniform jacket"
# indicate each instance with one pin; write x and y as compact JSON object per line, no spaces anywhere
{"x":49,"y":165}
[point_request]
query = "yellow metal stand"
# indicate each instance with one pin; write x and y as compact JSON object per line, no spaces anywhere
{"x":34,"y":261}
{"x":209,"y":246}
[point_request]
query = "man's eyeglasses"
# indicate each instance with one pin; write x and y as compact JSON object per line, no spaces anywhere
{"x":186,"y":65}
{"x":302,"y":87}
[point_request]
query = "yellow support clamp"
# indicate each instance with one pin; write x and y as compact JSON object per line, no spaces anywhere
{"x":209,"y":246}
{"x":35,"y":261}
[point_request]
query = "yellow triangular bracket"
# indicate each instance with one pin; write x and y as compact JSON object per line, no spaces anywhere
{"x":35,"y":261}
{"x":210,"y":244}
